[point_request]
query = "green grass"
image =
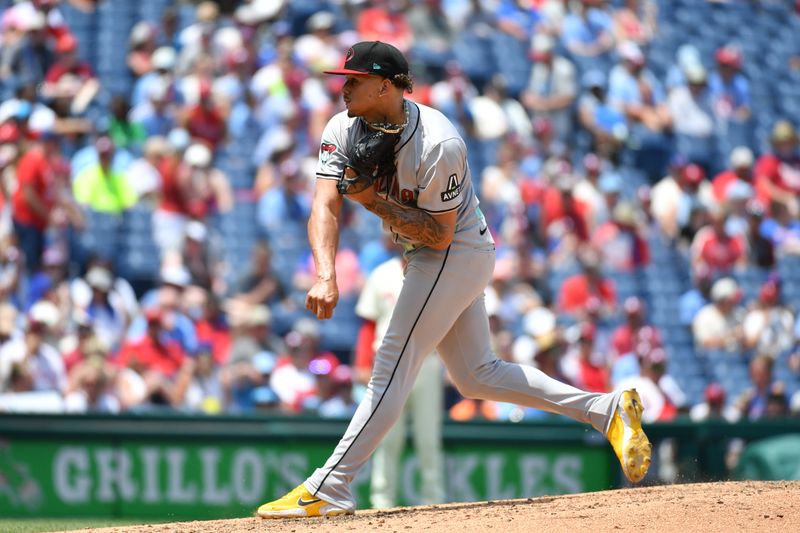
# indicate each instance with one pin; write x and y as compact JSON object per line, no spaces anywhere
{"x":37,"y":525}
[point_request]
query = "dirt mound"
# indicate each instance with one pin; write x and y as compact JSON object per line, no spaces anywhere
{"x":707,"y":507}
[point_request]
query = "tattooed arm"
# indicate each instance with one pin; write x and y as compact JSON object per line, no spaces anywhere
{"x":434,"y":231}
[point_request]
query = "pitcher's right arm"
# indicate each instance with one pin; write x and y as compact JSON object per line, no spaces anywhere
{"x":323,"y":236}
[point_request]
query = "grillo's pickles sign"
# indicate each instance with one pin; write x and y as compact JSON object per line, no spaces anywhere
{"x":207,"y":479}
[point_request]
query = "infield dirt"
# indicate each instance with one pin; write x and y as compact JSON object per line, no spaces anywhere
{"x":704,"y":507}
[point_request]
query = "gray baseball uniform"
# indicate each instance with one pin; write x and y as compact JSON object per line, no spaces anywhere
{"x":440,"y":305}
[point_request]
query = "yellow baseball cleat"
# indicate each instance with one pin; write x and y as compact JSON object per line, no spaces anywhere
{"x":627,"y":437}
{"x":299,"y":503}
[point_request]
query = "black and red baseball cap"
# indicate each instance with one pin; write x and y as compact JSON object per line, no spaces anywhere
{"x":372,"y":57}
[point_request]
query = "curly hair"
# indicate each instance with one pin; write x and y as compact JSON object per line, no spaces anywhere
{"x":403,"y":81}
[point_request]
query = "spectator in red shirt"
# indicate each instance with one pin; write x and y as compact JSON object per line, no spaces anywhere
{"x":578,"y":289}
{"x":778,"y":173}
{"x":69,"y":77}
{"x":619,"y":242}
{"x":583,"y":366}
{"x":204,"y":121}
{"x":741,"y":169}
{"x":152,"y":353}
{"x":635,"y":335}
{"x":715,"y":248}
{"x":385,"y":20}
{"x":35,"y":197}
{"x":172,"y":214}
{"x":564,"y":218}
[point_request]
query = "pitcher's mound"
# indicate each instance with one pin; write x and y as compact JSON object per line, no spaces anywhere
{"x":707,"y":507}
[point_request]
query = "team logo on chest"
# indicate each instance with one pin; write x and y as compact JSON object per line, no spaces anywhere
{"x":390,"y":186}
{"x":453,"y":188}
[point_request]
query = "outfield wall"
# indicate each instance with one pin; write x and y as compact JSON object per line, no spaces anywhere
{"x":208,"y":467}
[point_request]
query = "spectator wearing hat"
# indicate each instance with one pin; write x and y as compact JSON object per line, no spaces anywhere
{"x":156,"y":115}
{"x":552,"y":87}
{"x":687,"y":56}
{"x":102,"y":188}
{"x":142,"y":174}
{"x":693,"y":122}
{"x":604,"y":123}
{"x":576,"y":290}
{"x":204,"y":120}
{"x":636,"y":20}
{"x":209,"y":190}
{"x":25,"y":56}
{"x":588,"y":190}
{"x":769,"y":324}
{"x":91,"y":389}
{"x":105,"y":308}
{"x":202,"y":387}
{"x":82,"y":345}
{"x":678,"y":196}
{"x":584,"y":366}
{"x":141,"y":45}
{"x":155,"y":352}
{"x":564,"y":217}
{"x":778,"y":173}
{"x":69,"y":77}
{"x":782,"y":230}
{"x":168,"y":299}
{"x":210,"y":323}
{"x":740,"y":169}
{"x":730,"y":94}
{"x":713,"y":406}
{"x":713,"y":247}
{"x":173,"y":211}
{"x":163,"y":61}
{"x":766,"y":397}
{"x":611,"y":186}
{"x":247,"y":383}
{"x":622,"y":247}
{"x":203,"y":259}
{"x":38,"y":182}
{"x":332,"y":397}
{"x":587,"y":33}
{"x":318,"y":48}
{"x":292,"y":380}
{"x":635,"y":91}
{"x":30,"y":363}
{"x":718,"y":325}
{"x":661,"y":395}
{"x":252,"y":332}
{"x":634,"y":335}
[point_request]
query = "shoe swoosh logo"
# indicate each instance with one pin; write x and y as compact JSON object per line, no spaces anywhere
{"x":301,"y":502}
{"x":484,"y":230}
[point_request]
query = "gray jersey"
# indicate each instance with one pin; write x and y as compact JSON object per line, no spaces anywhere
{"x":432,"y":170}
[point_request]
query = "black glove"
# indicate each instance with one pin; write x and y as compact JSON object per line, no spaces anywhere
{"x":372,"y":157}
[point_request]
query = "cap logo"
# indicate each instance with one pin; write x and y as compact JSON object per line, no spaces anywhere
{"x":349,"y":55}
{"x":376,"y":66}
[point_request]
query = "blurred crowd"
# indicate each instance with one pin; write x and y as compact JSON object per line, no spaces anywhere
{"x":152,"y":209}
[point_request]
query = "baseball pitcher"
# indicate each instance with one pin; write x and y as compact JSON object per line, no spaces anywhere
{"x":407,"y":164}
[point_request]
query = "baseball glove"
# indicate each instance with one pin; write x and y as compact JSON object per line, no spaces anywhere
{"x":372,"y":158}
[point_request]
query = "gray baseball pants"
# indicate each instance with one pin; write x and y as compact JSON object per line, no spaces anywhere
{"x":441,"y":307}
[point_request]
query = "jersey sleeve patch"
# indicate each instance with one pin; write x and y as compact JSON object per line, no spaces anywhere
{"x":453,"y":188}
